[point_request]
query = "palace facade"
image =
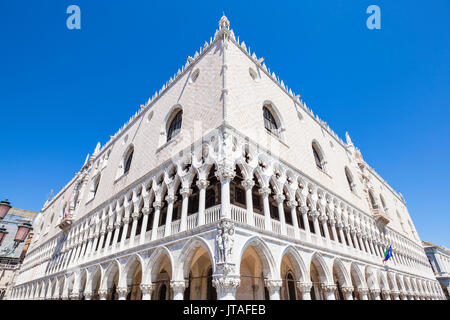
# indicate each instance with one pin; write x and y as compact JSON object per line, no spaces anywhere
{"x":225,"y":185}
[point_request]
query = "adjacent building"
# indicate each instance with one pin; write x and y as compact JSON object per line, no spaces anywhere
{"x":439,"y":258}
{"x":12,"y":256}
{"x":225,"y":185}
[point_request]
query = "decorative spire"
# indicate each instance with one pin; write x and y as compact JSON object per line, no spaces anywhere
{"x":224,"y":22}
{"x":347,"y":137}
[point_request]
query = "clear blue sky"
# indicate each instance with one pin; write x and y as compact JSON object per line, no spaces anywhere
{"x":62,"y":91}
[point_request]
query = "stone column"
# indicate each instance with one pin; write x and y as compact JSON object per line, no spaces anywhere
{"x":178,"y":287}
{"x":126,"y":221}
{"x":279,"y":198}
{"x":226,"y":286}
{"x":395,"y":294}
{"x":265,"y":196}
{"x":75,"y":296}
{"x":147,"y":290}
{"x":355,"y":241}
{"x":341,"y":232}
{"x":375,"y":294}
{"x":185,"y":193}
{"x":157,"y":205}
{"x":293,"y":205}
{"x":202,"y":184}
{"x":88,"y":295}
{"x":349,"y":238}
{"x":109,"y":230}
{"x":122,"y":293}
{"x":315,"y":216}
{"x":135,"y":216}
{"x":323,"y":220}
{"x":363,"y":293}
{"x":103,"y":294}
{"x":225,"y":174}
{"x":248,"y":185}
{"x":333,"y":229}
{"x":304,"y":212}
{"x":146,"y":212}
{"x":347,"y":291}
{"x":386,"y":294}
{"x":102,"y":239}
{"x":170,"y":200}
{"x":274,"y":287}
{"x":305,"y":288}
{"x":329,"y":290}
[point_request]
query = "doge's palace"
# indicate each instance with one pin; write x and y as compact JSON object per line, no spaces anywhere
{"x":225,"y":185}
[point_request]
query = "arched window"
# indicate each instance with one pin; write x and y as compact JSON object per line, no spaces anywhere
{"x":175,"y":125}
{"x":348,"y":175}
{"x":318,"y":157}
{"x":94,"y":187}
{"x":373,"y":204}
{"x":128,"y":160}
{"x":383,"y":203}
{"x":270,"y":123}
{"x":292,"y":294}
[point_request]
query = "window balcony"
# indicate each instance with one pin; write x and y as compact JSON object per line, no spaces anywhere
{"x":380,"y":216}
{"x":66,"y":222}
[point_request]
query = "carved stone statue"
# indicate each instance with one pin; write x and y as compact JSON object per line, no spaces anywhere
{"x":225,"y":241}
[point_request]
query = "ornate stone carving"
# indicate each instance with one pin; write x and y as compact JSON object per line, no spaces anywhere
{"x":279,"y":198}
{"x":147,"y":288}
{"x":329,"y":287}
{"x":227,"y":283}
{"x":179,"y":284}
{"x":347,"y":289}
{"x":248,"y":183}
{"x":157,"y":204}
{"x":202,"y":183}
{"x":273,"y":284}
{"x":292,"y":203}
{"x":304,"y":287}
{"x":225,"y":241}
{"x":264,"y":191}
{"x":103,"y":294}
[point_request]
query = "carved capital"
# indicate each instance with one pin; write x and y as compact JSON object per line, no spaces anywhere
{"x":292,"y":204}
{"x":202,"y":183}
{"x":264,"y":191}
{"x":332,"y":222}
{"x":273,"y":284}
{"x":304,"y":287}
{"x":117,"y":224}
{"x":146,"y":211}
{"x":157,"y":205}
{"x":329,"y":287}
{"x":171,"y":198}
{"x":88,"y":295}
{"x":103,"y":294}
{"x":126,"y":220}
{"x":122,"y":291}
{"x":226,"y":283}
{"x":362,"y":291}
{"x":248,"y":183}
{"x":225,"y":172}
{"x":178,"y":285}
{"x":147,"y":288}
{"x":347,"y":289}
{"x":304,"y":209}
{"x":185,"y":192}
{"x":279,"y":198}
{"x":135,"y":215}
{"x":109,"y":228}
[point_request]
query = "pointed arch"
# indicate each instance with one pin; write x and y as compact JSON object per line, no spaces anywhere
{"x":301,"y":272}
{"x":187,"y":254}
{"x":319,"y":263}
{"x":129,"y":269}
{"x":109,"y":275}
{"x":341,"y":273}
{"x":264,"y":254}
{"x":154,"y":263}
{"x":357,"y":276}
